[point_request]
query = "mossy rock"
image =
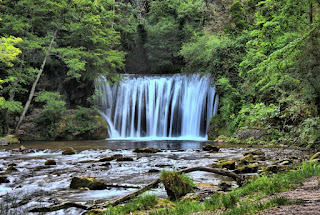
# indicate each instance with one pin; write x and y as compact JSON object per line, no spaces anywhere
{"x":191,"y":197}
{"x":246,"y":159}
{"x":315,"y":156}
{"x":110,"y":158}
{"x":50,"y":162}
{"x":89,"y":182}
{"x":11,"y":169}
{"x":11,"y":139}
{"x":226,"y":164}
{"x":3,"y":179}
{"x":210,"y":148}
{"x":251,"y":168}
{"x":272,"y":168}
{"x":125,"y":159}
{"x":176,"y":185}
{"x":254,"y":152}
{"x":225,"y":186}
{"x":146,"y":150}
{"x":68,"y":151}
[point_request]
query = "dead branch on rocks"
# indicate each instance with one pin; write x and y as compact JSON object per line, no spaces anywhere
{"x":131,"y":195}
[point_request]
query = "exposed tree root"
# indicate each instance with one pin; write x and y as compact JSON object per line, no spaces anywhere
{"x":131,"y":195}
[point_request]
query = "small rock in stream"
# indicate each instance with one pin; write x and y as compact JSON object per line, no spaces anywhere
{"x":146,"y":150}
{"x":88,"y":182}
{"x":3,"y":179}
{"x":68,"y":151}
{"x":210,"y":148}
{"x":125,"y":159}
{"x":11,"y":169}
{"x":50,"y":162}
{"x":110,"y":158}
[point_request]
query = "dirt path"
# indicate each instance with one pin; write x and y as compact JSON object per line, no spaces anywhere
{"x":309,"y":193}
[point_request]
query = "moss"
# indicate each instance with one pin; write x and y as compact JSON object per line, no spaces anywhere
{"x":50,"y":162}
{"x":68,"y":151}
{"x":89,"y":182}
{"x":11,"y":139}
{"x":176,"y":185}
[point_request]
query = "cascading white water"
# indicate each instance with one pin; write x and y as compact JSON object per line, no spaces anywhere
{"x":177,"y":106}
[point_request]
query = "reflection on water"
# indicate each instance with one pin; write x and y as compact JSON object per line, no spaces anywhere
{"x":121,"y":144}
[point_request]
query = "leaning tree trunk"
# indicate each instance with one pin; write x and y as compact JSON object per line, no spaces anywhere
{"x":26,"y":107}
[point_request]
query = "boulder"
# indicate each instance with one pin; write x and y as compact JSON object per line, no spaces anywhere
{"x":110,"y":158}
{"x":89,"y":182}
{"x":146,"y":150}
{"x":315,"y":156}
{"x":210,"y":148}
{"x":68,"y":151}
{"x":50,"y":162}
{"x":125,"y":159}
{"x":3,"y":179}
{"x":272,"y":168}
{"x":11,"y":169}
{"x":225,"y":186}
{"x":226,"y":164}
{"x":176,"y":185}
{"x":254,"y":152}
{"x":192,"y":197}
{"x":246,"y":159}
{"x":251,"y":168}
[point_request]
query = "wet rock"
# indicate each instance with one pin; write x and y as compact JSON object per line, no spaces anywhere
{"x":192,"y":197}
{"x":286,"y":162}
{"x":225,"y":186}
{"x":110,"y":158}
{"x":50,"y":162}
{"x":246,"y":159}
{"x":3,"y":179}
{"x":259,"y":157}
{"x":68,"y":151}
{"x":210,"y":148}
{"x":106,"y":164}
{"x":153,"y":170}
{"x":89,"y":182}
{"x":146,"y":150}
{"x":226,"y":164}
{"x":22,"y":148}
{"x":125,"y":159}
{"x":272,"y":168}
{"x":254,"y":152}
{"x":11,"y":169}
{"x":12,"y":164}
{"x":315,"y":156}
{"x":251,"y":168}
{"x":163,"y":165}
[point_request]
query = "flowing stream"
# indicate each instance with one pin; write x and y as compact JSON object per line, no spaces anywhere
{"x":158,"y":107}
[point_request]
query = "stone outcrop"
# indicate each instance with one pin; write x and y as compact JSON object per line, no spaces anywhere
{"x":88,"y":182}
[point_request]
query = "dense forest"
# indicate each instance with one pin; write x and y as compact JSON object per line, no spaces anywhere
{"x":264,"y":56}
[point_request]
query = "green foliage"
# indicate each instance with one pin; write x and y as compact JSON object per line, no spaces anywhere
{"x":246,"y":199}
{"x":142,"y":202}
{"x":52,"y":111}
{"x":8,"y":52}
{"x":177,"y":185}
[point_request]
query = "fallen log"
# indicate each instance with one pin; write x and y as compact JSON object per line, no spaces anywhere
{"x":60,"y":206}
{"x":238,"y":178}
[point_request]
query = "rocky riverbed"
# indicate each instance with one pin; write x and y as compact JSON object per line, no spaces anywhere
{"x":39,"y":175}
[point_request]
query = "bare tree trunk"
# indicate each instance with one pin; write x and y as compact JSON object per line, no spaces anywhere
{"x":26,"y":107}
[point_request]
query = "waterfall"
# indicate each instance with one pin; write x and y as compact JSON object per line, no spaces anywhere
{"x":177,"y":106}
